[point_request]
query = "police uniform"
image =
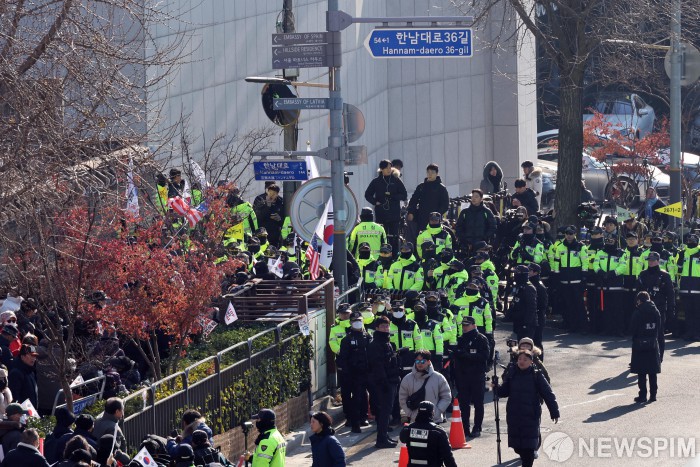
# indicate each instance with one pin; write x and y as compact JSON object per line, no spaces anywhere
{"x":270,"y":446}
{"x":689,"y":267}
{"x":524,"y":304}
{"x":426,"y":442}
{"x":659,"y":285}
{"x":605,"y":264}
{"x":471,"y":358}
{"x":436,"y":233}
{"x":568,"y":273}
{"x":631,"y":264}
{"x":405,"y":273}
{"x":367,"y":231}
{"x":353,"y":361}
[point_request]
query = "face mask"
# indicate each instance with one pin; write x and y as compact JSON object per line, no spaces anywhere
{"x":452,"y":271}
{"x":521,"y":278}
{"x":667,"y":245}
{"x":381,"y":308}
{"x":263,"y":239}
{"x":364,"y":255}
{"x":596,"y":241}
{"x":356,"y":325}
{"x":428,"y":254}
{"x":385,"y":260}
{"x":657,"y":247}
{"x":254,"y":248}
{"x":692,"y":245}
{"x":406,"y":254}
{"x":445,"y":258}
{"x":540,"y":236}
{"x":471,"y":292}
{"x":398,"y":314}
{"x":431,"y":304}
{"x":434,"y":226}
{"x":528,"y":237}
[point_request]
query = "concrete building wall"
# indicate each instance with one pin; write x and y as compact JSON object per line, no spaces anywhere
{"x":459,"y":113}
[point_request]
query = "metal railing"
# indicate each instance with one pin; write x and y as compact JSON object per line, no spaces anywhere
{"x":85,"y":400}
{"x":157,"y":409}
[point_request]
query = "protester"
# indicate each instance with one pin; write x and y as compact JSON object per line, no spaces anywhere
{"x":26,"y":454}
{"x":385,"y":193}
{"x":108,"y":423}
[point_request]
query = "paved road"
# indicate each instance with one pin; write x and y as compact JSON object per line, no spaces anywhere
{"x":600,"y":422}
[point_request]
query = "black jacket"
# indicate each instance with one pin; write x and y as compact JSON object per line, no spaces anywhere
{"x":658,"y":283}
{"x":542,"y":300}
{"x":352,"y":357}
{"x":384,"y":367}
{"x":646,"y":334}
{"x":524,"y":307}
{"x":476,"y":223}
{"x":389,"y":207}
{"x":528,"y":198}
{"x":203,"y":455}
{"x":471,"y":355}
{"x":264,"y":213}
{"x":428,"y":197}
{"x":437,"y":451}
{"x":25,"y":455}
{"x":491,"y":184}
{"x":524,"y":388}
{"x":22,"y":383}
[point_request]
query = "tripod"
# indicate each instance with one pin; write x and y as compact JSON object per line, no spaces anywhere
{"x":494,"y":380}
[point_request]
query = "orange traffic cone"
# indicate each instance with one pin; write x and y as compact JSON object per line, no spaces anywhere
{"x":403,"y":456}
{"x":457,"y":438}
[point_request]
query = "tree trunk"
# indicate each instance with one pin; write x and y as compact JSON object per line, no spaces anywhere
{"x":568,"y":194}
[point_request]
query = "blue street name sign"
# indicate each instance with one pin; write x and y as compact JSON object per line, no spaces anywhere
{"x":280,"y":170}
{"x":453,"y":42}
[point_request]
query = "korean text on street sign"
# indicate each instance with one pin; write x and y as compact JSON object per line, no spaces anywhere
{"x":280,"y":170}
{"x":300,"y":56}
{"x":300,"y":38}
{"x":420,"y":43}
{"x":304,"y":103}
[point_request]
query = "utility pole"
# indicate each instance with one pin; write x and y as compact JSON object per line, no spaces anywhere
{"x":676,"y":57}
{"x":291,"y":132}
{"x":336,"y":147}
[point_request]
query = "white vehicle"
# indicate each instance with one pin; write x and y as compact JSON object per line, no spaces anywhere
{"x":628,"y":113}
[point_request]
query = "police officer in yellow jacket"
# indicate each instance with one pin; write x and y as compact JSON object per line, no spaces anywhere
{"x":568,"y":273}
{"x":689,"y":267}
{"x":631,"y":264}
{"x":435,"y":232}
{"x":367,"y":231}
{"x":405,"y":273}
{"x":368,"y":265}
{"x":270,"y":446}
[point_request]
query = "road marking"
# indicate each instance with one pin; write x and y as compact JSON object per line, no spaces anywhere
{"x":590,"y":401}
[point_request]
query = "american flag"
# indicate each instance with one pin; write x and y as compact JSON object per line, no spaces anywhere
{"x":181,"y":207}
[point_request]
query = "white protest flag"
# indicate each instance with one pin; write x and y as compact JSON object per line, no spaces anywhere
{"x":27,"y":405}
{"x":311,"y":167}
{"x":78,"y":380}
{"x":622,"y":213}
{"x":231,"y":315}
{"x":132,"y":194}
{"x":327,"y":247}
{"x":199,"y":175}
{"x":144,"y":458}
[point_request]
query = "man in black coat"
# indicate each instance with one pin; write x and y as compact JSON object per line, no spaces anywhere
{"x":524,"y":387}
{"x":476,"y":223}
{"x":385,"y":193}
{"x":471,"y":356}
{"x":270,"y":213}
{"x":542,"y":302}
{"x":654,"y":220}
{"x":523,"y":307}
{"x":27,"y":452}
{"x":384,"y":377}
{"x":526,"y":197}
{"x":646,"y":337}
{"x":430,"y":196}
{"x":22,"y":378}
{"x":658,"y":284}
{"x":353,"y":362}
{"x":427,"y":442}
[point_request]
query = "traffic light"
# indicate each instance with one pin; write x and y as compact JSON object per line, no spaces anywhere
{"x":273,"y":91}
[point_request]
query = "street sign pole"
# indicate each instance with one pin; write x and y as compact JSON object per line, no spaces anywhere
{"x":336,"y":146}
{"x":676,"y":53}
{"x":291,"y":132}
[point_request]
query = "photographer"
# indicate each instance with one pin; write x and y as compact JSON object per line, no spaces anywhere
{"x":423,"y":383}
{"x":525,"y":344}
{"x":524,"y":387}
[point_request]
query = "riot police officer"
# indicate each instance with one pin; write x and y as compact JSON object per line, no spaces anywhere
{"x":353,"y":362}
{"x":368,"y":267}
{"x":406,"y":272}
{"x":689,"y":270}
{"x":427,"y":443}
{"x":528,"y":249}
{"x":336,"y":335}
{"x":567,"y":272}
{"x":542,"y":300}
{"x":471,"y":359}
{"x":659,"y":285}
{"x":524,"y":303}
